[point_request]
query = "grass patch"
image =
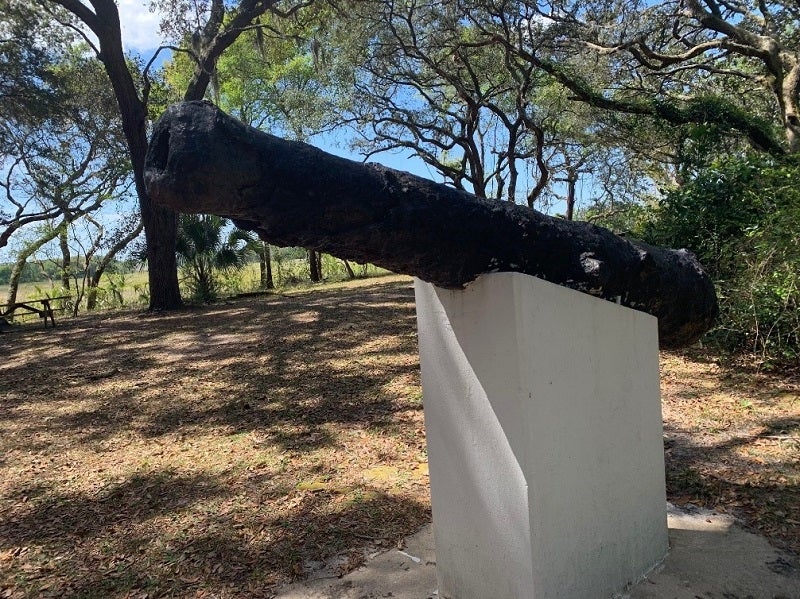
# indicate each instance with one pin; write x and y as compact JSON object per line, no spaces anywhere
{"x":130,"y":290}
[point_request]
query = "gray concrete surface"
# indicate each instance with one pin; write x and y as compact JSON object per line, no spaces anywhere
{"x":710,"y":558}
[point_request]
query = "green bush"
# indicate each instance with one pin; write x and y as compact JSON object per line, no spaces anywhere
{"x":207,"y":249}
{"x":740,"y":215}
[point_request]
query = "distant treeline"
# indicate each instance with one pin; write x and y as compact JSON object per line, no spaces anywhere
{"x":49,"y":270}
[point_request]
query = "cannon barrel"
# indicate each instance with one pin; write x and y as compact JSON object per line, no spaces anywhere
{"x":201,"y":160}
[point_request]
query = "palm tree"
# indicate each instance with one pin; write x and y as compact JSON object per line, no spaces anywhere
{"x":204,"y":249}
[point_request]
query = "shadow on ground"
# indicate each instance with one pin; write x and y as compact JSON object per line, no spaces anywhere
{"x":220,"y":450}
{"x":732,"y":437}
{"x":310,"y":358}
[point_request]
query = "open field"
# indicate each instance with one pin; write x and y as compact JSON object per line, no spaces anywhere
{"x":222,"y":451}
{"x":130,"y":290}
{"x":118,"y":290}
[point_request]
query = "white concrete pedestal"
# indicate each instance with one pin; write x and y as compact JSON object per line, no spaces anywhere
{"x":544,"y":433}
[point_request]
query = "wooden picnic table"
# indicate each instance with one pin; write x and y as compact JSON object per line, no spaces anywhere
{"x":45,"y":312}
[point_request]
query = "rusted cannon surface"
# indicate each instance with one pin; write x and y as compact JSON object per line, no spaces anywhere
{"x":203,"y":161}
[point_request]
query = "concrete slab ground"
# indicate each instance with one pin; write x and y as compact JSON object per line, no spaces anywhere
{"x":710,"y":558}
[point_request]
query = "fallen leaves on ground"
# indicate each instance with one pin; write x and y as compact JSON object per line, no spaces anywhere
{"x":732,"y":437}
{"x":212,"y":452}
{"x":223,"y":451}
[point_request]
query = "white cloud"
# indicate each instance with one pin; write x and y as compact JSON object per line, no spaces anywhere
{"x":139,"y":26}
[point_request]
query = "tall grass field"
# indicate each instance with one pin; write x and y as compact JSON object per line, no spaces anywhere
{"x":130,"y":290}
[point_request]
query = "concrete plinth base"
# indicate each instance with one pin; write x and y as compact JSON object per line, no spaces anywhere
{"x":544,"y":432}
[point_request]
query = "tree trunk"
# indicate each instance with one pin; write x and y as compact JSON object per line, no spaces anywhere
{"x":350,"y":274}
{"x":159,"y":221}
{"x":22,"y":259}
{"x":91,"y":296}
{"x":224,"y":25}
{"x":16,"y":273}
{"x":265,"y":264}
{"x":66,"y":260}
{"x":97,"y":275}
{"x":201,"y":160}
{"x":571,"y":180}
{"x":314,"y":266}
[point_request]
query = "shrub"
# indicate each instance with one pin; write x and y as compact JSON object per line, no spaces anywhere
{"x":739,"y":215}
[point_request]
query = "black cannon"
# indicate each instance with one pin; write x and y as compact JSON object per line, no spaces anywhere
{"x":201,"y":160}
